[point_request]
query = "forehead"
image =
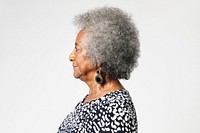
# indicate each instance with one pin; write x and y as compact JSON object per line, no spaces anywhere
{"x":81,"y":36}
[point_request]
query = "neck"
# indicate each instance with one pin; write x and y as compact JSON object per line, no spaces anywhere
{"x":98,"y":90}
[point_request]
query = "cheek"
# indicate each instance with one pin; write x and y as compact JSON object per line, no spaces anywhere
{"x":87,"y":65}
{"x":84,"y":62}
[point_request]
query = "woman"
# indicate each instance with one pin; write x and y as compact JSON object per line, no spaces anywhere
{"x":106,"y":50}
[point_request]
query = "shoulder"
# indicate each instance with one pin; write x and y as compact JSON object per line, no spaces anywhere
{"x":118,"y":113}
{"x":119,"y":99}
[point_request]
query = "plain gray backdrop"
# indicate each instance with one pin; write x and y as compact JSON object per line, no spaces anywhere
{"x":37,"y":88}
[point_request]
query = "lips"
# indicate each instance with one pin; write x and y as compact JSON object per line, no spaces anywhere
{"x":74,"y":66}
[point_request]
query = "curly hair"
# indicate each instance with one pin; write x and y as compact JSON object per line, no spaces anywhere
{"x":112,"y":40}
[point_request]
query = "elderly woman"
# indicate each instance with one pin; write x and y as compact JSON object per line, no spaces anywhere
{"x":106,"y":50}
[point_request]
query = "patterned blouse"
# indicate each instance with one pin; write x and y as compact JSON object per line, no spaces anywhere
{"x":112,"y":113}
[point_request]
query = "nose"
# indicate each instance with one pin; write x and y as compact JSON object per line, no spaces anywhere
{"x":71,"y":56}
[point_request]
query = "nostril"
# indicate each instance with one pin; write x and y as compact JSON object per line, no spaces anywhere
{"x":71,"y":58}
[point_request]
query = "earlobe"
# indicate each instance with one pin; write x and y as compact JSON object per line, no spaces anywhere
{"x":98,"y":65}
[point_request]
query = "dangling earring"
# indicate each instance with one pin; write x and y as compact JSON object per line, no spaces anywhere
{"x":99,"y":79}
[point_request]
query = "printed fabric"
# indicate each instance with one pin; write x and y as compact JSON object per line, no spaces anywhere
{"x":112,"y":113}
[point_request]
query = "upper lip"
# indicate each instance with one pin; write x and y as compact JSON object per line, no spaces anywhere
{"x":74,"y":65}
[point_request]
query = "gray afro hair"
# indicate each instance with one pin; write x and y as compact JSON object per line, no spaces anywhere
{"x":112,"y":40}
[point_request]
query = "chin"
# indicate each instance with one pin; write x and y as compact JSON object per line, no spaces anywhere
{"x":76,"y":76}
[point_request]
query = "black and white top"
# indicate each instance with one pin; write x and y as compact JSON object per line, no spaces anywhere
{"x":112,"y":113}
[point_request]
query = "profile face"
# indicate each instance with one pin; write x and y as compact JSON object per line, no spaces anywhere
{"x":82,"y":66}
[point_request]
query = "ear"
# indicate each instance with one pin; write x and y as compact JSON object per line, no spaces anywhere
{"x":98,"y":64}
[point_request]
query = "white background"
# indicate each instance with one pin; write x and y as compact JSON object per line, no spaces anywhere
{"x":37,"y":88}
